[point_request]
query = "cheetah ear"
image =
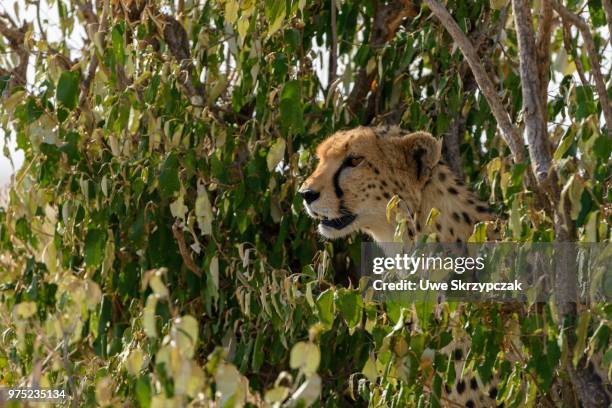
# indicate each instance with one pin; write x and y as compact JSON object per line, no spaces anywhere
{"x":422,"y":149}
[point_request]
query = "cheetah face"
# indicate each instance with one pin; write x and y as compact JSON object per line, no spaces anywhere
{"x":333,"y":195}
{"x":358,"y":171}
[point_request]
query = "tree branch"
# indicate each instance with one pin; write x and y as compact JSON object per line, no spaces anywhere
{"x":543,"y":53}
{"x":86,"y":10}
{"x":386,"y":22}
{"x":100,"y":26}
{"x":508,"y":131}
{"x":15,"y":36}
{"x":333,"y":53}
{"x":600,"y":85}
{"x":607,"y":5}
{"x":535,"y":126}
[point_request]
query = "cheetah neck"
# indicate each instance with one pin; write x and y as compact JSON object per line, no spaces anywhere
{"x":459,"y":210}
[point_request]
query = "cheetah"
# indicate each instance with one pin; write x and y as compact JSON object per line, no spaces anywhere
{"x":359,"y":170}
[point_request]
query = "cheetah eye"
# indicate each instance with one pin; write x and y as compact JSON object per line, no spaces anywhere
{"x":353,"y":161}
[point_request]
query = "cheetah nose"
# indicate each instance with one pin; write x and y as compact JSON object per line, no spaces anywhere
{"x":309,"y":195}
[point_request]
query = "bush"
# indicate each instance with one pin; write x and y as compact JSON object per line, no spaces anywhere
{"x":154,"y":251}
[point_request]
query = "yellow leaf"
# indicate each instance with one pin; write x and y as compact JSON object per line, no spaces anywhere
{"x":203,"y":211}
{"x":49,"y":257}
{"x":431,"y":217}
{"x":227,"y":379}
{"x":276,"y":154}
{"x":306,"y":356}
{"x":494,"y":166}
{"x":278,"y":20}
{"x":133,"y":120}
{"x":231,"y":11}
{"x":243,"y":27}
{"x":105,"y":390}
{"x":93,"y":294}
{"x":148,"y":319}
{"x":178,"y":209}
{"x":498,"y":4}
{"x":276,"y":394}
{"x":25,"y":310}
{"x":393,"y":202}
{"x":133,"y":363}
{"x":480,"y":233}
{"x":158,"y":286}
{"x":369,"y":369}
{"x":186,"y":334}
{"x":573,"y":191}
{"x":371,"y":66}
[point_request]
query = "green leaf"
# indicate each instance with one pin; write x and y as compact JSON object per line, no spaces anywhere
{"x":169,"y":182}
{"x":68,"y":89}
{"x":258,"y":351}
{"x":117,"y":41}
{"x":95,"y":241}
{"x":596,"y":12}
{"x":350,"y":304}
{"x":602,"y":147}
{"x":325,"y":307}
{"x":581,"y":335}
{"x":275,"y":11}
{"x":291,"y":114}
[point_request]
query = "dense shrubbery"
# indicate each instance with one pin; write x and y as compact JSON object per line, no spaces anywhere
{"x":154,"y":250}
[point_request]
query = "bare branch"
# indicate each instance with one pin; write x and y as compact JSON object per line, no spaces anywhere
{"x":386,"y":22}
{"x":187,"y":260}
{"x":543,"y":53}
{"x":535,"y":126}
{"x":15,"y":36}
{"x":175,"y":36}
{"x":100,"y":26}
{"x":508,"y":131}
{"x":600,"y":85}
{"x":607,"y":5}
{"x":333,"y":54}
{"x":86,"y":9}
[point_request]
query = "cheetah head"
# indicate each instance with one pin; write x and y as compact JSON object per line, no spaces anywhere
{"x":359,"y":170}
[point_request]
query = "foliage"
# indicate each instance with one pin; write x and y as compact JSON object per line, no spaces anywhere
{"x":154,"y":250}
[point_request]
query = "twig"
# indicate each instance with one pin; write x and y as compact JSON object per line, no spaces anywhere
{"x":607,"y":5}
{"x":333,"y":53}
{"x":508,"y":131}
{"x":567,"y":43}
{"x":600,"y":85}
{"x":180,"y":239}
